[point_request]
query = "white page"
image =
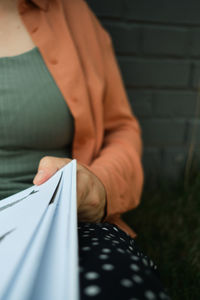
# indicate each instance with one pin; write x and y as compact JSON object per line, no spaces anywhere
{"x":58,"y":275}
{"x":72,"y":236}
{"x":64,"y":232}
{"x":22,"y":285}
{"x":19,"y":222}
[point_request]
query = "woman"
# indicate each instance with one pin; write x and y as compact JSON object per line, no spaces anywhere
{"x":58,"y":63}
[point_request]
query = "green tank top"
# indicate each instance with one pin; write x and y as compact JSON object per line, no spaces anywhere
{"x":35,"y":120}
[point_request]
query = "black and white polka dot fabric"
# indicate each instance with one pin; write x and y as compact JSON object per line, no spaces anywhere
{"x":112,"y":266}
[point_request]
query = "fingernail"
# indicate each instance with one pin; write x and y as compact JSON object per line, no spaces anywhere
{"x":39,"y":176}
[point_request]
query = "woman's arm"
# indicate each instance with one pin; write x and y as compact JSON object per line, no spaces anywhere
{"x":118,"y":164}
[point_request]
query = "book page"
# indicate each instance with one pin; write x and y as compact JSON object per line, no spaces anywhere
{"x":18,"y":223}
{"x":58,"y":274}
{"x":48,"y":264}
{"x":23,"y":281}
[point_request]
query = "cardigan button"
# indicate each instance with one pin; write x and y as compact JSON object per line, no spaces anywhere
{"x":34,"y":29}
{"x":53,"y":61}
{"x":75,"y":99}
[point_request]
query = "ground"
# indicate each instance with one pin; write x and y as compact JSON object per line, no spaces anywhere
{"x":168,"y":226}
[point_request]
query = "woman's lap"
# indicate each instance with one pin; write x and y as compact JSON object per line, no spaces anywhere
{"x":113,"y":267}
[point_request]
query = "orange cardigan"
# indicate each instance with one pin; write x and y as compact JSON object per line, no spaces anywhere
{"x":79,"y":54}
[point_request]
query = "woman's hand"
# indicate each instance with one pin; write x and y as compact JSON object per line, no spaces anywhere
{"x":91,"y":194}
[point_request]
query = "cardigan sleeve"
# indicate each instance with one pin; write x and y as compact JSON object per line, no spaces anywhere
{"x":118,"y":164}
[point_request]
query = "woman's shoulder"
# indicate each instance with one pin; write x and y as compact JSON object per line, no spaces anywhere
{"x":75,"y":8}
{"x":79,"y":14}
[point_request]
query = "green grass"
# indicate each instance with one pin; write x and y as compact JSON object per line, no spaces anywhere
{"x":168,"y":226}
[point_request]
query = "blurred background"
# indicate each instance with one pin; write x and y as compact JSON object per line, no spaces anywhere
{"x":157,"y":45}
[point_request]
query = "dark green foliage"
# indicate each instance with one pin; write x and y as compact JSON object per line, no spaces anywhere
{"x":168,"y":226}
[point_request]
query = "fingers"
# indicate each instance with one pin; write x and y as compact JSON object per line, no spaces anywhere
{"x":90,"y":196}
{"x":48,"y":166}
{"x":83,"y":183}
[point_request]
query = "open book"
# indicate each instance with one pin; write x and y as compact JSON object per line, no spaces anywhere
{"x":38,"y":241}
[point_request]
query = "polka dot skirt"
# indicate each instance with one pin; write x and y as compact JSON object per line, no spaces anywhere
{"x":112,"y":266}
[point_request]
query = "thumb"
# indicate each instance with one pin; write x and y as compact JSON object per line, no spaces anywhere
{"x":48,"y":166}
{"x":40,"y":177}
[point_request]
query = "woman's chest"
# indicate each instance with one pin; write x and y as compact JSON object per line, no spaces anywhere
{"x":33,"y":112}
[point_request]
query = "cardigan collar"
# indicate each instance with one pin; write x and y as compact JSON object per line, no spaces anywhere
{"x":43,"y":4}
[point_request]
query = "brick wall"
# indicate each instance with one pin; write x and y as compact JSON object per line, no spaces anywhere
{"x":158,"y":49}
